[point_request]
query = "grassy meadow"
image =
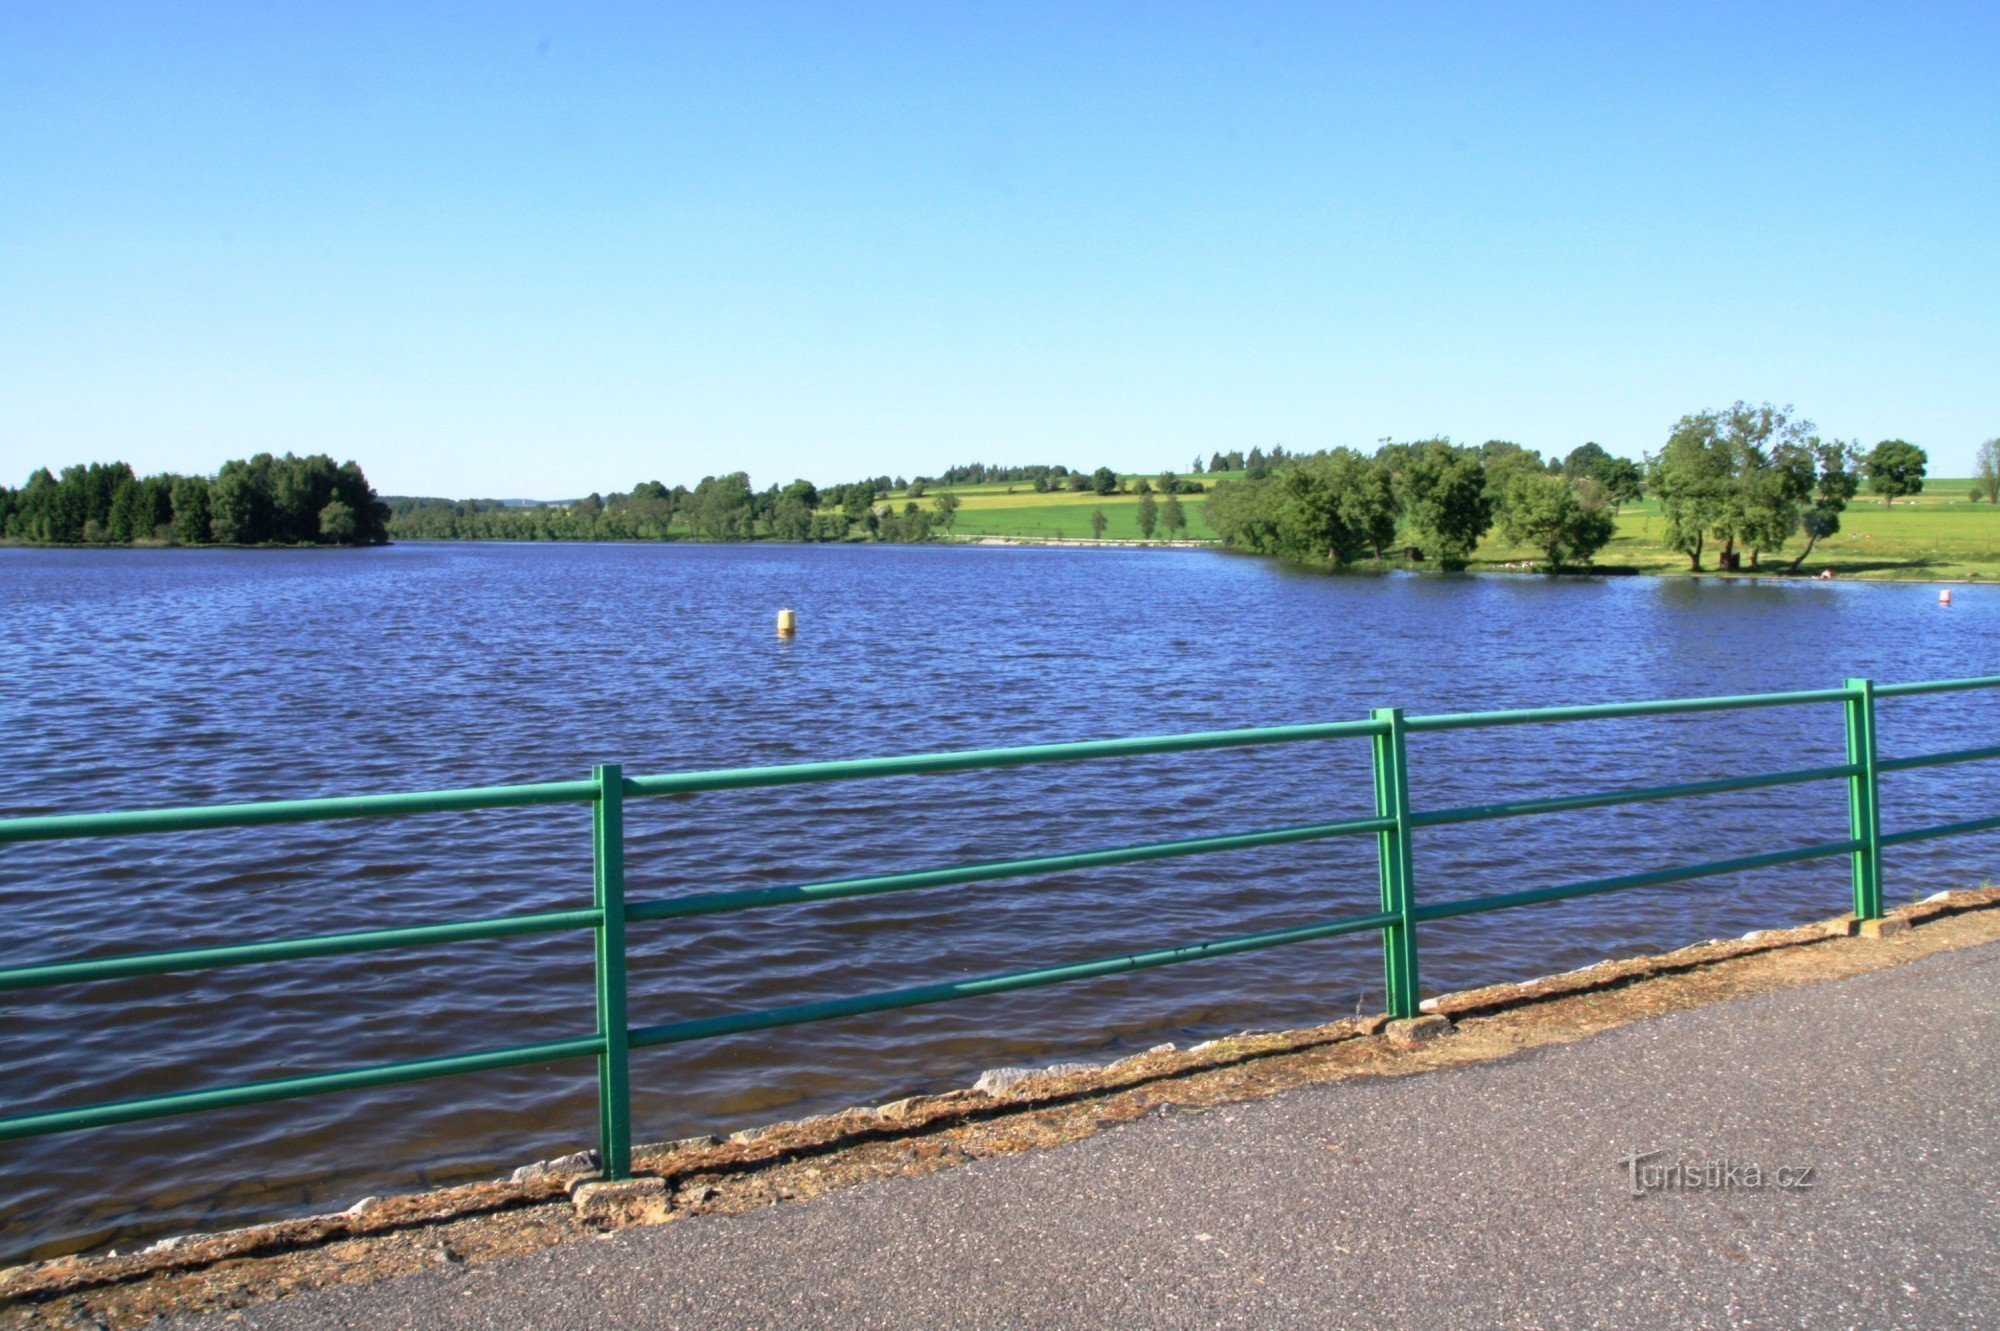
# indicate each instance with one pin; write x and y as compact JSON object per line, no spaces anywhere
{"x":991,"y":510}
{"x":1939,"y":534}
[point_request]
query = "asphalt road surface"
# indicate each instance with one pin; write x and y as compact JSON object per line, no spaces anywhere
{"x":1858,"y":1115}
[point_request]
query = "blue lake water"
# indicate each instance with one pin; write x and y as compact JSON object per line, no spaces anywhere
{"x":139,"y":678}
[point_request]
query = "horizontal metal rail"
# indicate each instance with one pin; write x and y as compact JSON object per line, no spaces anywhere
{"x":291,"y":1088}
{"x":1937,"y":759}
{"x":207,"y":817}
{"x":1614,"y":710}
{"x":292,"y":949}
{"x":1937,"y":686}
{"x":1444,"y":910}
{"x":1646,"y":794}
{"x":213,"y":816}
{"x":606,"y":791}
{"x":1904,"y":838}
{"x":853,"y":769}
{"x":735,"y":1023}
{"x":714,"y":903}
{"x":210,"y":817}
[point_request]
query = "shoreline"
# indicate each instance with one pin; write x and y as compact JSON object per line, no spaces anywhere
{"x":1365,"y":568}
{"x":1509,"y":569}
{"x":1092,"y":542}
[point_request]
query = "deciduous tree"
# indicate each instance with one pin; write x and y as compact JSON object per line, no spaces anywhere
{"x":1621,"y":478}
{"x":720,"y":507}
{"x":191,"y":515}
{"x":337,"y":523}
{"x":1445,"y":501}
{"x":946,"y":504}
{"x":1568,"y":521}
{"x":1896,"y":468}
{"x":1835,"y":467}
{"x":1721,"y":475}
{"x":1987,"y":461}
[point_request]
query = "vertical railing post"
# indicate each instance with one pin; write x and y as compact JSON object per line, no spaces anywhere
{"x":607,"y":844}
{"x":1864,"y":799}
{"x":1392,"y":846}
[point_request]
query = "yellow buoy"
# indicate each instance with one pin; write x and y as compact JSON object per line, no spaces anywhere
{"x":788,"y":623}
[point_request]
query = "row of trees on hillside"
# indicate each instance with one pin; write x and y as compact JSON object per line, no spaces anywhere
{"x":725,"y":508}
{"x":287,"y":500}
{"x":720,"y":508}
{"x":1042,"y":479}
{"x":986,"y":473}
{"x":1256,"y":464}
{"x":1105,"y":481}
{"x":1432,"y":499}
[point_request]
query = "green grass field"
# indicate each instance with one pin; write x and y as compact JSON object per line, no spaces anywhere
{"x":1940,"y":534}
{"x":989,"y":510}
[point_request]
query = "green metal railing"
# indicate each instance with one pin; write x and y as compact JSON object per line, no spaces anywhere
{"x":1393,"y":826}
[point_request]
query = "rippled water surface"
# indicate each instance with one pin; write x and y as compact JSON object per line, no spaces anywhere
{"x":130,"y":679}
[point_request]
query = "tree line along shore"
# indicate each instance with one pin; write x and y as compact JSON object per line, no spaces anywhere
{"x":1744,"y":489}
{"x":263,"y":500}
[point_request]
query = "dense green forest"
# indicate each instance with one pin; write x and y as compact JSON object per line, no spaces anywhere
{"x":720,"y":508}
{"x":263,"y":500}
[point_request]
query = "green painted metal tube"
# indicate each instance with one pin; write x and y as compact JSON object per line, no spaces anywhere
{"x":614,"y":1093}
{"x":1607,"y":710}
{"x":292,"y":1088}
{"x":702,"y":1028}
{"x":715,"y":903}
{"x":199,"y":817}
{"x":1395,"y":863}
{"x":1564,"y":803}
{"x":291,"y":949}
{"x":55,"y":827}
{"x":1905,"y":837}
{"x":736,"y":778}
{"x":1864,"y":798}
{"x":1937,"y":686}
{"x":1935,"y":759}
{"x":1444,"y":910}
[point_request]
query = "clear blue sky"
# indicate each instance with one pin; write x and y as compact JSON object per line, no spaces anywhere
{"x":542,"y":251}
